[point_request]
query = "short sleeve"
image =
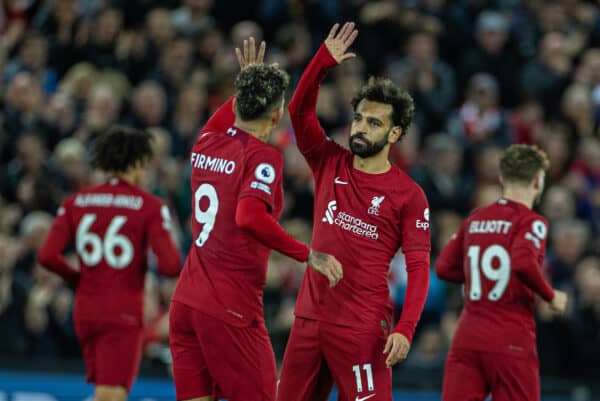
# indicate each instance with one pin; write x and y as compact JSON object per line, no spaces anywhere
{"x":262,"y":177}
{"x":414,"y":223}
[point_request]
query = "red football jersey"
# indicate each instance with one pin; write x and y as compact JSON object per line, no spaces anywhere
{"x":225,"y":270}
{"x":112,"y":226}
{"x":498,"y":253}
{"x":362,"y":219}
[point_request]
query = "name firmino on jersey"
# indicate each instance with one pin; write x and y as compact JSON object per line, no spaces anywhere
{"x":214,"y":164}
{"x":489,"y":227}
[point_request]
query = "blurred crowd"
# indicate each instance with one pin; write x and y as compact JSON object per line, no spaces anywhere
{"x":483,"y":73}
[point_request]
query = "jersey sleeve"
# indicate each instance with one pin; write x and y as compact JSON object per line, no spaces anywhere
{"x":262,"y":177}
{"x":527,"y":254}
{"x":161,"y":242}
{"x":222,"y":118}
{"x":253,"y":216}
{"x":414,"y":223}
{"x":449,"y":264}
{"x":311,"y":139}
{"x":59,"y":237}
{"x":417,"y":287}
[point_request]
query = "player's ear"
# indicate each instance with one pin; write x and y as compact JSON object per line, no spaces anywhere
{"x":539,"y":181}
{"x":395,"y":134}
{"x":278,"y":114}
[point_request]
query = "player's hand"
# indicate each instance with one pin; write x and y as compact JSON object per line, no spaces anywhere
{"x":338,"y":42}
{"x":327,"y":265}
{"x":248,"y":55}
{"x":397,"y":347}
{"x":559,"y":302}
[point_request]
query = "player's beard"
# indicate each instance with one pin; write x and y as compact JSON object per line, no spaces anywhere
{"x":366,"y":148}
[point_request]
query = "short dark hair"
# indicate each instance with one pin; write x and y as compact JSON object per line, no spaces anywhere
{"x":119,"y":148}
{"x":520,"y":163}
{"x":259,"y":89}
{"x":383,"y":90}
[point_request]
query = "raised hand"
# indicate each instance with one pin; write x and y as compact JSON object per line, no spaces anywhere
{"x":327,"y":265}
{"x":338,"y":42}
{"x":249,"y":56}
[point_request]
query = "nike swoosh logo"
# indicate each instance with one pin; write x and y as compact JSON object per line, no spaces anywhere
{"x":365,"y":398}
{"x":338,"y":181}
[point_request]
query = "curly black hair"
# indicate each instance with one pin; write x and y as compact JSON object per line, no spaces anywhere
{"x":259,"y":90}
{"x":383,"y":90}
{"x":119,"y":148}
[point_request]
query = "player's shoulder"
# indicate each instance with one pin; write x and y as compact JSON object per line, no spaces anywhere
{"x":257,"y":149}
{"x":150,"y":201}
{"x":529,"y":219}
{"x":405,"y":186}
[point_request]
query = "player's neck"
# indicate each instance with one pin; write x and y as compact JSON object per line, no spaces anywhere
{"x":258,"y":129}
{"x":377,"y":164}
{"x":519,"y":195}
{"x":127,"y":177}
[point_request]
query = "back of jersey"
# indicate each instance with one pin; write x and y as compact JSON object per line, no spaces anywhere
{"x":110,"y":225}
{"x":225,"y":271}
{"x":499,"y":308}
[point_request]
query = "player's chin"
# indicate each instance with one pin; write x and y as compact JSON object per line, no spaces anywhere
{"x":358,"y":147}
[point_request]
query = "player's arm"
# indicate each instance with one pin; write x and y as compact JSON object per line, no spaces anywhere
{"x":528,"y":245}
{"x":262,"y":180}
{"x":416,"y":245}
{"x":449,"y":264}
{"x":307,"y":129}
{"x":162,"y":244}
{"x":51,"y":255}
{"x":222,"y":119}
{"x":253,"y":215}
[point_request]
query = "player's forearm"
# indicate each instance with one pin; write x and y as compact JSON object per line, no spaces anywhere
{"x":303,"y":105}
{"x":168,"y":257}
{"x":531,"y":275}
{"x":449,"y":272}
{"x":50,"y":256}
{"x":417,"y":267}
{"x":252,"y":216}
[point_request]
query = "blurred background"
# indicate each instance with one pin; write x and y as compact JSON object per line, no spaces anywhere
{"x":483,"y":73}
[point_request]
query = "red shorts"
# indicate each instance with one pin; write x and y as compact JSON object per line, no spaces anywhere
{"x":319,"y":354}
{"x":112,"y":352}
{"x":211,"y":357}
{"x":471,"y":375}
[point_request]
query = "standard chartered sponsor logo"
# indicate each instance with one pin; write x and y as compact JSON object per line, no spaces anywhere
{"x":331,"y":208}
{"x":348,"y":222}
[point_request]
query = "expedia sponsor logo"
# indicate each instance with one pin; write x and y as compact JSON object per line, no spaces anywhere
{"x":424,"y":224}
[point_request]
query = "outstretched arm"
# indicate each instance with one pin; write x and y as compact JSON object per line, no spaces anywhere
{"x":309,"y":133}
{"x":224,"y":116}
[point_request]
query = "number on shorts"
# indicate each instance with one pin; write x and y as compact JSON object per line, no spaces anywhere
{"x":91,"y":248}
{"x":208,"y":216}
{"x":500,"y":275}
{"x":357,"y":374}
